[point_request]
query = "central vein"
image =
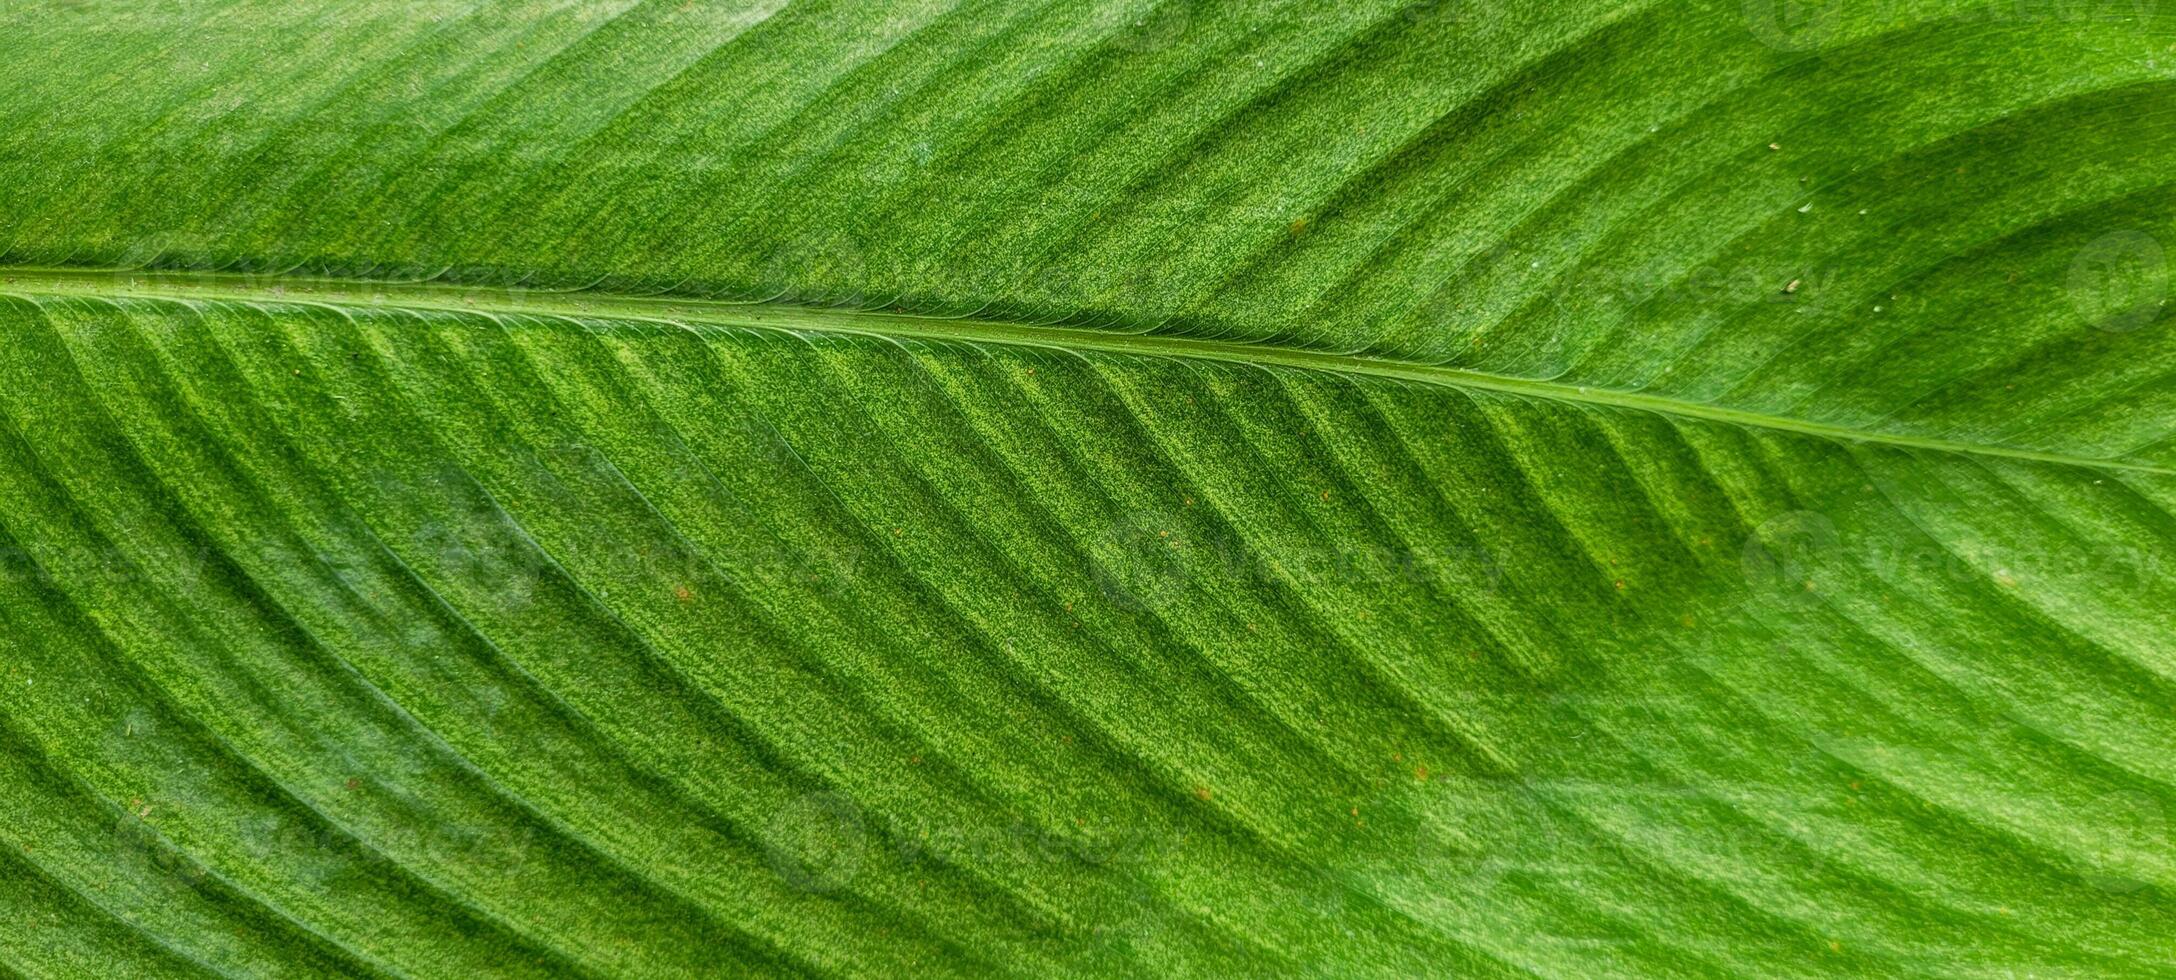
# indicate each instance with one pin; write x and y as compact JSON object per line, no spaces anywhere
{"x":364,"y":294}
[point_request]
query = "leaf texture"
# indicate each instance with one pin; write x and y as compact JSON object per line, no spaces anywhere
{"x":1214,"y":488}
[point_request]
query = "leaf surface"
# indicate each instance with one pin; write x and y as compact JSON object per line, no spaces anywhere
{"x":1210,"y":488}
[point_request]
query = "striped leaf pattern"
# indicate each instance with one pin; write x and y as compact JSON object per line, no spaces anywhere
{"x":1207,"y":487}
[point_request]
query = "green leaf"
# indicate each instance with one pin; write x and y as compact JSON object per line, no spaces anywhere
{"x":1195,"y":487}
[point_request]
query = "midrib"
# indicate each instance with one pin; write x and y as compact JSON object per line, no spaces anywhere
{"x":366,"y":294}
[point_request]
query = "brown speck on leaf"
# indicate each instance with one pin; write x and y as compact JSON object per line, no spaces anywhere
{"x":1325,"y":496}
{"x":351,"y":784}
{"x":914,"y":760}
{"x":1202,"y":792}
{"x":681,"y":593}
{"x":1298,"y":227}
{"x":1420,"y":774}
{"x":1620,"y":585}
